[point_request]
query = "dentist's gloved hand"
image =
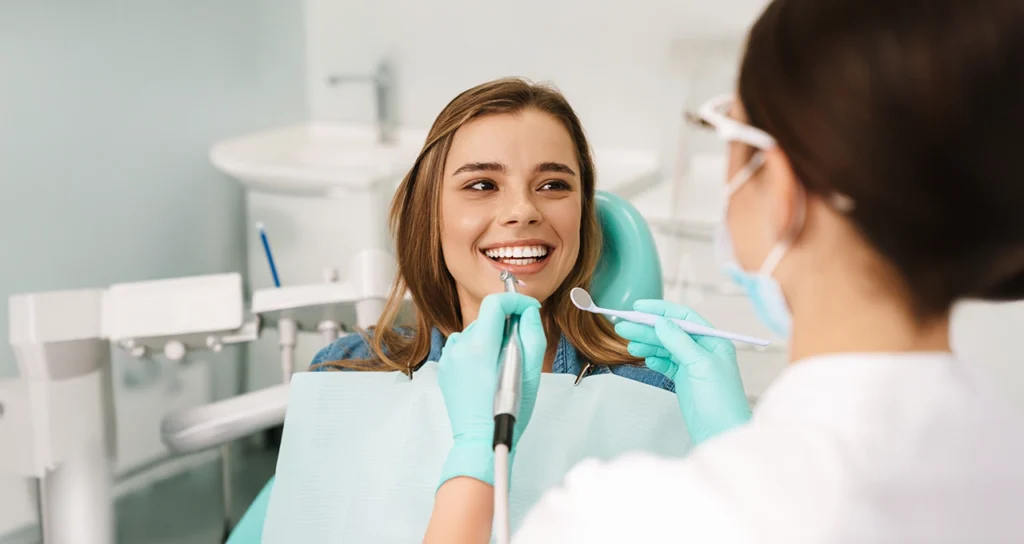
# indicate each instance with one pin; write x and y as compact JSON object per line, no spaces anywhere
{"x":468,"y":375}
{"x":707,"y":378}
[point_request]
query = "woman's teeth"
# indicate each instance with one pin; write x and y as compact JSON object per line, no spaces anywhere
{"x":518,"y":255}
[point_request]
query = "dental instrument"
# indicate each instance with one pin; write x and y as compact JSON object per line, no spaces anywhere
{"x":266,"y":251}
{"x":582,"y":299}
{"x":506,"y":409}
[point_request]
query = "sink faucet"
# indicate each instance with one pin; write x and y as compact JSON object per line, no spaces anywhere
{"x":383,"y":80}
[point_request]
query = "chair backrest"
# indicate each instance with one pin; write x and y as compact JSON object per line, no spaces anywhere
{"x":629,"y":269}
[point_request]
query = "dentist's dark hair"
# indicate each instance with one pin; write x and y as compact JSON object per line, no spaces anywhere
{"x":914,"y":109}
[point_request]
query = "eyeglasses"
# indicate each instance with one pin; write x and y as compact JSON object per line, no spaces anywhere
{"x":714,"y":114}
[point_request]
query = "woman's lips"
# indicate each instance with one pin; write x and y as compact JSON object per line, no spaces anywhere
{"x":520,"y":269}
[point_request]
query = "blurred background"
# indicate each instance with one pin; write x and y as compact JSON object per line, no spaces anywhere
{"x":144,"y":140}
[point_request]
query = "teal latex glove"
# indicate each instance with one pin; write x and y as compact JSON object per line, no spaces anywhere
{"x":468,"y":375}
{"x":708,"y":384}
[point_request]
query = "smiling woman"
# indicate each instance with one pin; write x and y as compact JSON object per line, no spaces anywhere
{"x":520,"y":211}
{"x":505,"y":181}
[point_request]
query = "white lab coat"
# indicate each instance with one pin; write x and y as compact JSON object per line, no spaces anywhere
{"x":853,"y":448}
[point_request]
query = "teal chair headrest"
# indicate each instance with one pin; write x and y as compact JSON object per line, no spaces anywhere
{"x":629,"y":268}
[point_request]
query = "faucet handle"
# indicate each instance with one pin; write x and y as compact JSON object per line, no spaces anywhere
{"x":383,"y":80}
{"x":337,"y":79}
{"x":385,"y":71}
{"x":382,"y":75}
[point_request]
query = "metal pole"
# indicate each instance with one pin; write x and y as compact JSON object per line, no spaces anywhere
{"x":77,"y":499}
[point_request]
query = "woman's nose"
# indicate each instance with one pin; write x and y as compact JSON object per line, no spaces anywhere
{"x":519,"y":210}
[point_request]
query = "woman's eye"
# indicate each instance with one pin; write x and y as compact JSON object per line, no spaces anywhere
{"x":555,"y":185}
{"x":481,"y":185}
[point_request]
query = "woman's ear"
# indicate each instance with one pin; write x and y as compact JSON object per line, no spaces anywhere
{"x":784,"y":193}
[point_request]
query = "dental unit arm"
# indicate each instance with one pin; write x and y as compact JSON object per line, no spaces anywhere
{"x":311,"y":308}
{"x":327,"y":309}
{"x":60,"y":410}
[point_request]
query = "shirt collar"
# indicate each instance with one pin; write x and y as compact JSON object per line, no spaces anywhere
{"x":437,"y":341}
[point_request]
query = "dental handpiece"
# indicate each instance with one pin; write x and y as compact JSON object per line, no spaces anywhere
{"x":510,"y":374}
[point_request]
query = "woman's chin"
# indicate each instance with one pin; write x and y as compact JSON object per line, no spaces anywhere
{"x":539,"y":292}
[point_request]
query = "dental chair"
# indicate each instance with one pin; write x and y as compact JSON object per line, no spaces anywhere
{"x":629,"y":270}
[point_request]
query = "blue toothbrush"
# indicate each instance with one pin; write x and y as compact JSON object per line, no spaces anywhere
{"x":266,"y":251}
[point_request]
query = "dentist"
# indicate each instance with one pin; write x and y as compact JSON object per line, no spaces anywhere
{"x":874,"y":181}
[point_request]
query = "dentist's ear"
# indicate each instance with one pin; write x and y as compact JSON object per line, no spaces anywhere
{"x":785,"y":193}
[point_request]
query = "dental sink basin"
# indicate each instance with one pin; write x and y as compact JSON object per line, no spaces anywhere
{"x":317,"y":159}
{"x":332,"y":160}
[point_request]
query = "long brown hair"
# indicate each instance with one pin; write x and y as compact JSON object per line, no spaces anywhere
{"x":416,"y":227}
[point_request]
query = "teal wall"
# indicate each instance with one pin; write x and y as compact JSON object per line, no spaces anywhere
{"x":107,"y":114}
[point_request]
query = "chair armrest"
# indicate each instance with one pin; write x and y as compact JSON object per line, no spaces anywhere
{"x":218,"y":423}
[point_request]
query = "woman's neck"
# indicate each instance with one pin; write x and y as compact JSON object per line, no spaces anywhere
{"x":470,"y":311}
{"x":852,"y":322}
{"x":469,"y":314}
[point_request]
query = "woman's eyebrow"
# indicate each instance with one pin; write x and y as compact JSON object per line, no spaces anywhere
{"x":480,"y":167}
{"x":555,"y":167}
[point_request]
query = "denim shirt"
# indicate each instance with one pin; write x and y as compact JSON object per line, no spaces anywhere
{"x":567,"y":360}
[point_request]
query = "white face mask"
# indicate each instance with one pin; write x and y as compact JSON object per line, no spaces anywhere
{"x":761,"y":288}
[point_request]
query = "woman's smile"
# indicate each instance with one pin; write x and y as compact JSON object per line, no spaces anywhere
{"x":522,"y":257}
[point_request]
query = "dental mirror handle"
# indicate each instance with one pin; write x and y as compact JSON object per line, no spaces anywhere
{"x":687,"y":326}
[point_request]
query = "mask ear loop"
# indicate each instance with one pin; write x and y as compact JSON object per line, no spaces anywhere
{"x":780,"y":249}
{"x":745,"y":173}
{"x":841,"y":203}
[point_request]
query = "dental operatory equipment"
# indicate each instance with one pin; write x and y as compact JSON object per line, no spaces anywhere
{"x":582,"y":299}
{"x":506,"y":409}
{"x":59,"y":409}
{"x":59,"y":412}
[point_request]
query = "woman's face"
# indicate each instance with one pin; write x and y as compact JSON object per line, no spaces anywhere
{"x":511,"y":200}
